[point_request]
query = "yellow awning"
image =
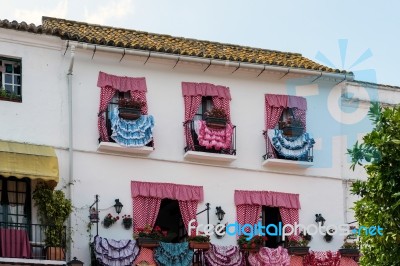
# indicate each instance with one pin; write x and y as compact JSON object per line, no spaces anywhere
{"x":27,"y":160}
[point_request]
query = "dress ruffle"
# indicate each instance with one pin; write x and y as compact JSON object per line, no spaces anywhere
{"x":218,"y":139}
{"x":270,"y":257}
{"x":131,"y":133}
{"x":115,"y":252}
{"x":173,"y":254}
{"x":291,"y":147}
{"x":224,"y":256}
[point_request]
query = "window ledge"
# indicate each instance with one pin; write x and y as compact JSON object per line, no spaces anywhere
{"x":198,"y":155}
{"x":31,"y":261}
{"x":286,"y":163}
{"x":116,"y":148}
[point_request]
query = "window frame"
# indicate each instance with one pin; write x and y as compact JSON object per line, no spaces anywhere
{"x":4,"y":200}
{"x":15,"y":93}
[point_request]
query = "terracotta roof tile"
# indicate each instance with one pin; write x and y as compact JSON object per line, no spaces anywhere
{"x":126,"y":38}
{"x":110,"y":36}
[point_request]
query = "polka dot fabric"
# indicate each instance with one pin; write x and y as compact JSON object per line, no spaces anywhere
{"x":106,"y":95}
{"x":289,"y":216}
{"x":248,"y":214}
{"x":192,"y":104}
{"x":146,"y":257}
{"x":272,"y":116}
{"x":188,"y":210}
{"x":296,"y":261}
{"x":141,"y":95}
{"x":145,"y":211}
{"x":301,"y":115}
{"x":322,"y":258}
{"x":224,"y":104}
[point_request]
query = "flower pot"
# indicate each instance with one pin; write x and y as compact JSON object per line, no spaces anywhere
{"x":55,"y":253}
{"x":292,"y":131}
{"x":146,"y":242}
{"x":199,"y":245}
{"x":129,"y":113}
{"x":127,"y":225}
{"x":299,"y":251}
{"x":328,"y":238}
{"x":94,"y":217}
{"x":216,"y":122}
{"x":349,"y":252}
{"x":107,"y":223}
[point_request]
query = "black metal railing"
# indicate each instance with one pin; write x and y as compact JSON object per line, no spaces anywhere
{"x":33,"y":241}
{"x":110,"y":107}
{"x":309,"y":157}
{"x":189,"y":127}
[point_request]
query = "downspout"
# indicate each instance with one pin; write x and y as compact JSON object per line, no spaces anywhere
{"x":70,"y":141}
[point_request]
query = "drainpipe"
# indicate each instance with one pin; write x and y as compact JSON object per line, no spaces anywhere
{"x":70,"y":141}
{"x":208,"y":61}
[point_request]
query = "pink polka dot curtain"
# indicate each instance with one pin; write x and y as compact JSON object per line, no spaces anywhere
{"x":192,"y":95}
{"x":249,"y":203}
{"x":147,"y":196}
{"x":111,"y":84}
{"x":274,"y":106}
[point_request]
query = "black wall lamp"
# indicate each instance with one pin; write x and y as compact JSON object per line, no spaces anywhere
{"x":220,"y":213}
{"x":118,"y":206}
{"x":319,"y":219}
{"x":75,"y":262}
{"x":220,"y":229}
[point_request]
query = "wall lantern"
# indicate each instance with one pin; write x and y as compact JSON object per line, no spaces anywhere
{"x":220,"y":213}
{"x":75,"y":262}
{"x":220,"y":229}
{"x":319,"y":219}
{"x":118,"y":206}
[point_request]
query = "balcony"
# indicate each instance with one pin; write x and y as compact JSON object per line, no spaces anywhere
{"x":112,"y":147}
{"x":221,"y":148}
{"x":288,"y":151}
{"x":27,"y":244}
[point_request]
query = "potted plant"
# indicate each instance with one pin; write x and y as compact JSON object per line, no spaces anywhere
{"x":149,"y":237}
{"x":350,"y":247}
{"x":298,"y":245}
{"x":127,"y":221}
{"x":7,"y":96}
{"x":291,"y":127}
{"x":130,"y":109}
{"x":200,"y":241}
{"x":94,"y":215}
{"x":252,"y":245}
{"x":329,"y":235}
{"x":109,"y":220}
{"x":216,"y":118}
{"x":53,"y":210}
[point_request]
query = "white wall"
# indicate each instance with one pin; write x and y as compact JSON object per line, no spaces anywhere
{"x":42,"y":119}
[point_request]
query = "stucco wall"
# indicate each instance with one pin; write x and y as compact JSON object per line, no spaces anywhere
{"x":42,"y":119}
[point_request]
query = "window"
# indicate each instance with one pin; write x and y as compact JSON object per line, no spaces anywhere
{"x":113,"y":104}
{"x":170,"y":219}
{"x":206,"y":105}
{"x":15,"y":200}
{"x":10,"y":79}
{"x":271,"y":215}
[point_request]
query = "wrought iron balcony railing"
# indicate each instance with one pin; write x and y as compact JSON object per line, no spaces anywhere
{"x":306,"y":156}
{"x":32,"y":241}
{"x":111,"y":106}
{"x":189,"y":126}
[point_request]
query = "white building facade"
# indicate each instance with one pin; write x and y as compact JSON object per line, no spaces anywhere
{"x":57,"y":105}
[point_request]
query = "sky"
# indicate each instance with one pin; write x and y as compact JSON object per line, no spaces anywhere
{"x":358,"y":36}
